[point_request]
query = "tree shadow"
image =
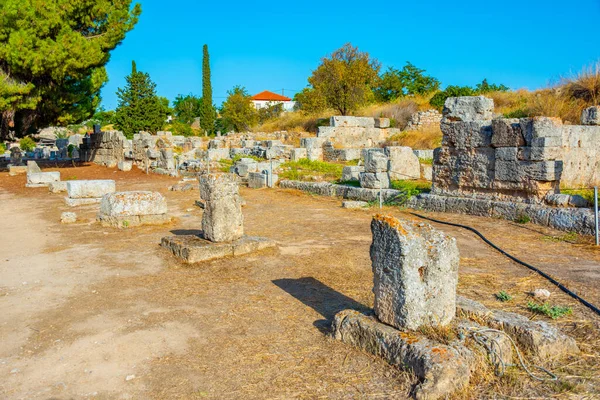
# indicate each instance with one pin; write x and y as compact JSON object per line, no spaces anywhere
{"x":321,"y":298}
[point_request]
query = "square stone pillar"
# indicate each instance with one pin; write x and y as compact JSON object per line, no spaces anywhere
{"x":222,"y":220}
{"x":415,"y":271}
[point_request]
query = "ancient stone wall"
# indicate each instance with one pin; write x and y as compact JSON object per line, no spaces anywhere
{"x":104,"y":148}
{"x":356,"y":132}
{"x":424,"y":119}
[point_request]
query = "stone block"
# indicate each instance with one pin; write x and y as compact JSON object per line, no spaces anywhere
{"x":468,"y":108}
{"x":216,"y":144}
{"x":192,"y":249}
{"x":133,"y":203}
{"x":68,"y":218}
{"x":415,"y":271}
{"x":125,"y":165}
{"x":314,"y":154}
{"x":376,"y":161}
{"x":426,"y":172}
{"x":222,"y":220}
{"x":42,"y":179}
{"x":382,"y":122}
{"x":257,"y":180}
{"x":546,"y":171}
{"x":32,"y":167}
{"x":217,"y":154}
{"x":352,"y":173}
{"x":326,"y":131}
{"x":92,"y":189}
{"x":353,"y":204}
{"x":403,"y":163}
{"x":57,"y":187}
{"x":441,"y":369}
{"x":312,"y":142}
{"x":379,"y":180}
{"x":349,"y":154}
{"x":591,"y":116}
{"x":465,"y":135}
{"x":540,"y":127}
{"x":424,"y":154}
{"x":82,"y":201}
{"x":346,"y":121}
{"x":298,"y":154}
{"x":507,"y":132}
{"x":272,"y":143}
{"x":506,"y":154}
{"x":14,"y":170}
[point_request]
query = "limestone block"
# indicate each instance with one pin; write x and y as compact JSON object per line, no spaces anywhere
{"x":218,"y":154}
{"x":382,"y":122}
{"x":314,"y":154}
{"x":14,"y":170}
{"x":346,"y":121}
{"x":542,"y":170}
{"x":125,"y":165}
{"x":364,"y":152}
{"x":68,"y":218}
{"x":272,"y":143}
{"x":91,"y":189}
{"x":507,"y":153}
{"x":379,"y":180}
{"x":468,"y":108}
{"x":133,"y":203}
{"x":32,"y":167}
{"x":57,"y":187}
{"x":507,"y":132}
{"x":403,"y":163}
{"x":424,"y":154}
{"x":326,"y":131}
{"x":312,"y":143}
{"x":352,"y":173}
{"x":591,"y":116}
{"x":244,"y":168}
{"x":464,"y":135}
{"x":353,"y":204}
{"x":376,"y":161}
{"x":42,"y":179}
{"x":248,"y":143}
{"x":222,"y":220}
{"x":426,"y":172}
{"x":415,"y":271}
{"x":540,"y":127}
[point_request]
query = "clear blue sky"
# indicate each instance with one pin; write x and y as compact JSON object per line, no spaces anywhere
{"x":276,"y":45}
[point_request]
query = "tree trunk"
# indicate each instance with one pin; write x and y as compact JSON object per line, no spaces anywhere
{"x":6,"y":122}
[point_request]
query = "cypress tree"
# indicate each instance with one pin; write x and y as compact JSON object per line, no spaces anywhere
{"x":139,"y":108}
{"x":208,"y":113}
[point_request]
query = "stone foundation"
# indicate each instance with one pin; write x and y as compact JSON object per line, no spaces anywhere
{"x":192,"y":249}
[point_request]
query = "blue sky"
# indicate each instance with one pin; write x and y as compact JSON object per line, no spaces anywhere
{"x":276,"y":45}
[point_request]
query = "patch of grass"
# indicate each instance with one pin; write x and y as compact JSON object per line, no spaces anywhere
{"x":303,"y":169}
{"x":587,"y":194}
{"x":412,"y":188}
{"x":428,"y":138}
{"x":503,"y":296}
{"x":546,"y":309}
{"x":523,"y":219}
{"x":426,"y":161}
{"x":225,"y":164}
{"x":571,"y":237}
{"x":443,"y":334}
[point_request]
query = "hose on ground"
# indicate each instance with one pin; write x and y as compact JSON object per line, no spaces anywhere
{"x":515,"y":259}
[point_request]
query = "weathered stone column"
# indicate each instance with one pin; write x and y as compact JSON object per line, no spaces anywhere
{"x":222,"y":220}
{"x":415,"y":271}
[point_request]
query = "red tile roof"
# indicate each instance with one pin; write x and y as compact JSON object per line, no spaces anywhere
{"x":270,"y":96}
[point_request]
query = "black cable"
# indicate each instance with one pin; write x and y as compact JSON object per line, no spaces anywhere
{"x":515,"y":259}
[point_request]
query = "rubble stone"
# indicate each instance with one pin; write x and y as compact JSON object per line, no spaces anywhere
{"x":352,"y":173}
{"x":591,"y":116}
{"x":379,"y":180}
{"x":415,"y":271}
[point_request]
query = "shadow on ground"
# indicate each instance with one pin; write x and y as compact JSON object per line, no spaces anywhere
{"x":321,"y":298}
{"x":184,"y":232}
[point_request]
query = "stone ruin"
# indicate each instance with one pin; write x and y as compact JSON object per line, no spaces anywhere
{"x":423,"y":120}
{"x":37,"y":178}
{"x":415,"y":270}
{"x":84,"y":192}
{"x":129,"y":209}
{"x":222,"y":224}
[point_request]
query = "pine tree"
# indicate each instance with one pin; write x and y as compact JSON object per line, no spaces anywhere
{"x":208,"y":112}
{"x":139,"y":108}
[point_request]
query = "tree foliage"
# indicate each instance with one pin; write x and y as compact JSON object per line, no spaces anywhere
{"x":410,"y":80}
{"x":439,"y":98}
{"x":52,"y":57}
{"x":345,"y":79}
{"x":187,"y":108}
{"x":271,"y":111}
{"x":310,"y":101}
{"x":485,"y":87}
{"x":208,"y":114}
{"x":139,"y":108}
{"x":237,"y":112}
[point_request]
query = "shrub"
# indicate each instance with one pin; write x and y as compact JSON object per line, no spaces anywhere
{"x":439,"y":98}
{"x":2,"y":148}
{"x":411,"y":188}
{"x":522,"y":219}
{"x":27,"y":144}
{"x":503,"y":296}
{"x":553,"y":312}
{"x":302,"y":169}
{"x":585,"y":85}
{"x":181,"y":128}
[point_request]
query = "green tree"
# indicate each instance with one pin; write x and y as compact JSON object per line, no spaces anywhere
{"x":485,"y":87}
{"x":346,"y":78}
{"x":103,"y":117}
{"x":439,"y":98}
{"x":52,"y":58}
{"x":271,"y":111}
{"x":237,"y":112}
{"x":139,"y":108}
{"x":186,"y":108}
{"x":410,"y":80}
{"x":310,"y":101}
{"x":208,"y":113}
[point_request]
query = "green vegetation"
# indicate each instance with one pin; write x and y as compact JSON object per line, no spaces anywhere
{"x":587,"y":194}
{"x":208,"y":114}
{"x":553,"y":312}
{"x":180,"y":128}
{"x":27,"y":144}
{"x":409,"y":81}
{"x":426,"y":161}
{"x":2,"y":148}
{"x":305,"y":169}
{"x":411,"y":188}
{"x":52,"y":58}
{"x":345,"y":79}
{"x":270,"y":112}
{"x":186,"y":108}
{"x":503,"y":296}
{"x":237,"y":112}
{"x":139,"y":108}
{"x":484,"y":87}
{"x":523,"y":219}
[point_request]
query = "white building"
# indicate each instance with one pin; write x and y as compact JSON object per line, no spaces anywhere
{"x":266,"y":99}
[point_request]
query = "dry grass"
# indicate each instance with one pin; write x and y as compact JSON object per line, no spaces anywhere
{"x":296,"y":122}
{"x":398,"y":111}
{"x":427,"y":138}
{"x":585,"y":85}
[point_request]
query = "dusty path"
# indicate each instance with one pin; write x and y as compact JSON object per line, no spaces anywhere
{"x":83,"y":307}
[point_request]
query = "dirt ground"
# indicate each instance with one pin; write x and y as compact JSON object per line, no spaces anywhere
{"x":92,"y":312}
